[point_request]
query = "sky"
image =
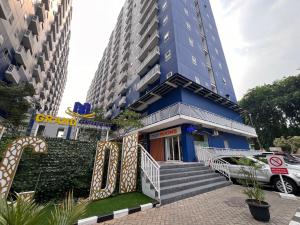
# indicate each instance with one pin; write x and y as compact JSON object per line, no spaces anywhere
{"x":260,"y":38}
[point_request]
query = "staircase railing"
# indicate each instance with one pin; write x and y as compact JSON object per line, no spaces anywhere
{"x":151,"y":169}
{"x":215,"y":163}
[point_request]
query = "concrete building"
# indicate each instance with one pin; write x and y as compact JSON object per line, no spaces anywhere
{"x":34,"y":47}
{"x":164,"y":59}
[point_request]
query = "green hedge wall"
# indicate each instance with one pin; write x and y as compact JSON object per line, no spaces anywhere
{"x":67,"y":166}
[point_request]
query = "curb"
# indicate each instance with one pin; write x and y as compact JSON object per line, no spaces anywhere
{"x":116,"y":214}
{"x":296,"y":218}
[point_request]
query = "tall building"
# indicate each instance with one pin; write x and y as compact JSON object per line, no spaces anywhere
{"x":165,"y":60}
{"x":34,"y":47}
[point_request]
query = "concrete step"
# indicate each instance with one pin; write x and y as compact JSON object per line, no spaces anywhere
{"x":184,"y":174}
{"x":183,"y":169}
{"x":190,"y":185}
{"x":173,"y":197}
{"x":174,"y":181}
{"x":179,"y":165}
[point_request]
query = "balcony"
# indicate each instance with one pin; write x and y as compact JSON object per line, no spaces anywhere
{"x":150,"y":61}
{"x":34,"y":25}
{"x":50,"y":76}
{"x":40,"y":11}
{"x":149,"y":78}
{"x":112,"y":76}
{"x":46,"y":50}
{"x":110,"y":94}
{"x":111,"y":85}
{"x":22,"y":56}
{"x":5,"y":11}
{"x":123,"y":88}
{"x":126,"y":44}
{"x":125,"y":65}
{"x":47,"y":4}
{"x":127,"y":36}
{"x":151,"y":17}
{"x":114,"y":66}
{"x":29,"y":40}
{"x":38,"y":74}
{"x":180,"y":113}
{"x":128,"y":27}
{"x":124,"y":77}
{"x":12,"y":74}
{"x":151,"y":13}
{"x":50,"y":41}
{"x":146,"y":5}
{"x":151,"y":43}
{"x":122,"y":102}
{"x":53,"y":31}
{"x":153,"y":26}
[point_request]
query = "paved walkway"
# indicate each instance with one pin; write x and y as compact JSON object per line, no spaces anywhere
{"x":224,"y":206}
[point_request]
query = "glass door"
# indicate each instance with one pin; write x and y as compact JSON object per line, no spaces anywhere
{"x":172,"y":148}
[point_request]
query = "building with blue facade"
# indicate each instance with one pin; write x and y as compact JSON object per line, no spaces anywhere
{"x":165,"y":60}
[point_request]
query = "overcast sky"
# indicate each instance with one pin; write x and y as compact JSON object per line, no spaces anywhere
{"x":261,"y":41}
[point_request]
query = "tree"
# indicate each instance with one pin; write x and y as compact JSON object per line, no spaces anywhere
{"x":289,"y":144}
{"x":275,"y":109}
{"x":13,"y":103}
{"x":126,"y":121}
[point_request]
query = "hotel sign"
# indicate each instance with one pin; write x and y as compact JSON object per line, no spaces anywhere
{"x":41,"y":118}
{"x":166,"y":133}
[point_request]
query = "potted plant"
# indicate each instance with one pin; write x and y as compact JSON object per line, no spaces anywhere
{"x":256,"y":197}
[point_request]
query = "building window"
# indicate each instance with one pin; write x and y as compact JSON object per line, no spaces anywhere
{"x":60,"y":132}
{"x":168,"y":55}
{"x":210,"y":26}
{"x":165,"y":20}
{"x":197,"y":80}
{"x":186,"y":11}
{"x":191,"y":41}
{"x":217,"y":51}
{"x":164,"y":6}
{"x":220,"y":65}
{"x":167,"y":36}
{"x":213,"y":37}
{"x":188,"y":26}
{"x":194,"y":60}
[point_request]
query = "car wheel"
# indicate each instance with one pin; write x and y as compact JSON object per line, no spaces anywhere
{"x":289,"y":184}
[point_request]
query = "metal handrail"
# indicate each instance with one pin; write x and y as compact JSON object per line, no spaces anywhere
{"x":151,"y":169}
{"x":215,"y":163}
{"x":229,"y":151}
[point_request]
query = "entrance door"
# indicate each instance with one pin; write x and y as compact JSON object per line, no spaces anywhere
{"x":172,"y":148}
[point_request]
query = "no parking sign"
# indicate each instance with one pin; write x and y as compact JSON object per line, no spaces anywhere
{"x":277,"y":164}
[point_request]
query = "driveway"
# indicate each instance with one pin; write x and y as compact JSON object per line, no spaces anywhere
{"x":220,"y":207}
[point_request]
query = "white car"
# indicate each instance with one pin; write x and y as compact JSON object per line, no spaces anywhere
{"x":264,"y":175}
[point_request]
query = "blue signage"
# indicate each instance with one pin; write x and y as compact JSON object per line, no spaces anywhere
{"x":82,"y":109}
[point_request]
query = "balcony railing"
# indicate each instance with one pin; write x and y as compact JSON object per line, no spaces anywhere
{"x":146,"y":4}
{"x":22,"y":56}
{"x":152,"y":12}
{"x":151,"y":43}
{"x":34,"y":25}
{"x":151,"y":28}
{"x":149,"y":78}
{"x":151,"y":59}
{"x":205,"y":118}
{"x":5,"y":11}
{"x":147,"y":23}
{"x":12,"y":74}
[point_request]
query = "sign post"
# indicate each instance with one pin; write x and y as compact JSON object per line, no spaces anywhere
{"x":277,"y":166}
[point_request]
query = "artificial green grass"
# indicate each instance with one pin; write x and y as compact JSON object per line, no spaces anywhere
{"x":123,"y":201}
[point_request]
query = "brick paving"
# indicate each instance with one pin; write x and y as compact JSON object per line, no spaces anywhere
{"x":224,"y":206}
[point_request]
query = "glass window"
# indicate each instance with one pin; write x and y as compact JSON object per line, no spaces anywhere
{"x":197,"y":80}
{"x":194,"y":60}
{"x":188,"y":26}
{"x":217,"y":51}
{"x":166,"y":36}
{"x":191,"y":41}
{"x":165,"y":20}
{"x":186,"y":11}
{"x":168,"y":55}
{"x":220,"y":65}
{"x":164,"y":6}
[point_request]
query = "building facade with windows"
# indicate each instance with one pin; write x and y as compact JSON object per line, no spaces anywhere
{"x":34,"y":47}
{"x":165,"y":60}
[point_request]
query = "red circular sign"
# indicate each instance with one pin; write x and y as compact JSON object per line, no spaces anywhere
{"x":275,"y":161}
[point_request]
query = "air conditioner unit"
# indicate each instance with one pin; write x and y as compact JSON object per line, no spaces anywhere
{"x":216,"y":133}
